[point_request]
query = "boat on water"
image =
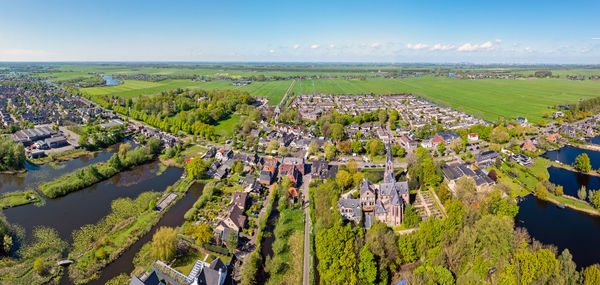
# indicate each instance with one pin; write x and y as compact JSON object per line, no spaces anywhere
{"x":560,"y":206}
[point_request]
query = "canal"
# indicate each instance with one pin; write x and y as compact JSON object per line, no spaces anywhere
{"x":172,"y":218}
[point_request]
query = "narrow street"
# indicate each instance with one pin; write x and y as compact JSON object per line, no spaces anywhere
{"x":305,"y":182}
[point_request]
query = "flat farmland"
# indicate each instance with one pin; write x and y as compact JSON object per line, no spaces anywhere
{"x":489,"y":99}
{"x":134,"y":88}
{"x":274,"y":90}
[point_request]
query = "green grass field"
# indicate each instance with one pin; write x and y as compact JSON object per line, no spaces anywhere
{"x":225,"y":127}
{"x":489,"y":99}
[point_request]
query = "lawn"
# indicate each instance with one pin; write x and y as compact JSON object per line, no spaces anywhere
{"x":185,"y":263}
{"x":15,"y":199}
{"x":225,"y":127}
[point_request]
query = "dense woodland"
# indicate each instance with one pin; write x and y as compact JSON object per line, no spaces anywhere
{"x":193,"y":112}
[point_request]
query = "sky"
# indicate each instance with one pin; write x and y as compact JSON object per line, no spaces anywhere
{"x":565,"y":32}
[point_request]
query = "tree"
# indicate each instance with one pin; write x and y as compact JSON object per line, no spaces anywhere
{"x":164,"y":243}
{"x":232,"y":241}
{"x":334,"y":248}
{"x":441,"y":148}
{"x":344,"y":179}
{"x":39,"y":266}
{"x":499,"y":135}
{"x":591,"y":275}
{"x":582,"y":163}
{"x":357,"y":147}
{"x":582,"y":193}
{"x":313,"y":148}
{"x":367,"y":268}
{"x":273,"y":145}
{"x":411,"y":218}
{"x":344,"y":146}
{"x":154,"y":146}
{"x":196,"y":167}
{"x":282,"y":151}
{"x":201,"y":232}
{"x":457,"y":145}
{"x":595,"y":199}
{"x":540,"y":191}
{"x":330,"y":151}
{"x":375,"y":147}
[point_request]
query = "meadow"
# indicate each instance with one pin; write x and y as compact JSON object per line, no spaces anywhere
{"x":489,"y":99}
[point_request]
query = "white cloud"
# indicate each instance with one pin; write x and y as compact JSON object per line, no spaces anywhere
{"x":484,"y":46}
{"x":498,"y":41}
{"x":416,"y":46}
{"x":442,"y":47}
{"x":595,"y":38}
{"x":528,"y":49}
{"x":314,"y":46}
{"x":515,"y":44}
{"x":376,"y":45}
{"x":296,"y":46}
{"x":331,"y":46}
{"x":586,"y":50}
{"x":271,"y":51}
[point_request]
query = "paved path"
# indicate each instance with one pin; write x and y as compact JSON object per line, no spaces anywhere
{"x":305,"y":181}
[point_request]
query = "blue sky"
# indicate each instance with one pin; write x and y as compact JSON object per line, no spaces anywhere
{"x":334,"y":31}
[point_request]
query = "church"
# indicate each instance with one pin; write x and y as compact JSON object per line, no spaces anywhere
{"x":386,"y":200}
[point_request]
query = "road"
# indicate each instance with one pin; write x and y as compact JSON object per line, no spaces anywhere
{"x":305,"y":182}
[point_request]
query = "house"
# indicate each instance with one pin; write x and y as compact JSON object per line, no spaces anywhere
{"x":446,"y":136}
{"x":486,"y":158}
{"x":322,"y":170}
{"x":293,"y":175}
{"x":407,"y":143}
{"x":292,"y":162}
{"x":267,"y":174}
{"x":240,"y":200}
{"x":368,"y":195}
{"x":234,"y":219}
{"x":568,"y":130}
{"x":473,"y":137}
{"x":528,"y":146}
{"x":554,"y":138}
{"x":522,"y":159}
{"x":223,"y":154}
{"x":205,"y":273}
{"x":145,"y":279}
{"x":558,"y":114}
{"x":454,"y":172}
{"x":521,"y":121}
{"x":350,"y":209}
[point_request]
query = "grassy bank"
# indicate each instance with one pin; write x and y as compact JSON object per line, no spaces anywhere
{"x":14,"y":199}
{"x":95,"y":173}
{"x":61,"y":156}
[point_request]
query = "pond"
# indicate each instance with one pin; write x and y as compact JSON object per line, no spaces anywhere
{"x":567,"y":155}
{"x":89,"y":205}
{"x":571,"y":181}
{"x":564,"y":228}
{"x":110,"y":81}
